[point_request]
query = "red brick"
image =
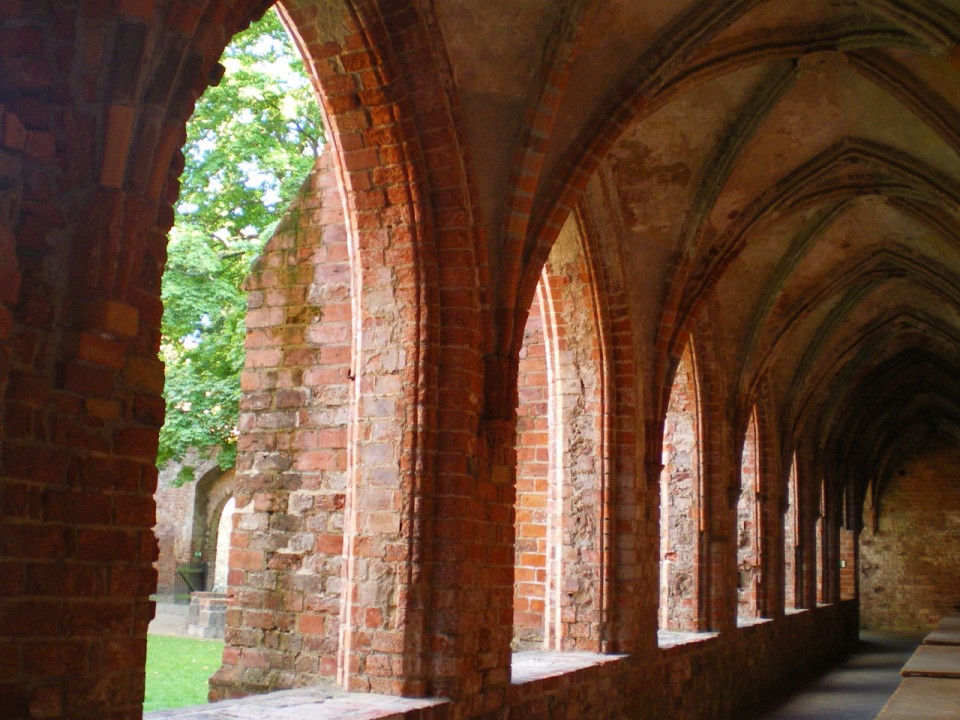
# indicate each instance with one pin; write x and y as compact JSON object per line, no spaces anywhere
{"x":111,"y":318}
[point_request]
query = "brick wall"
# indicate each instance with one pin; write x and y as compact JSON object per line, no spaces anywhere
{"x":286,"y":570}
{"x":187,"y":518}
{"x":909,"y":567}
{"x":533,"y":477}
{"x":174,"y":528}
{"x":748,"y":527}
{"x":680,"y":504}
{"x":791,"y":519}
{"x":562,"y":477}
{"x":717,"y":678}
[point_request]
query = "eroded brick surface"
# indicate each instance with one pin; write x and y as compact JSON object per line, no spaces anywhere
{"x":679,"y":505}
{"x":908,"y":571}
{"x":286,"y":574}
{"x":533,"y":479}
{"x":779,"y":185}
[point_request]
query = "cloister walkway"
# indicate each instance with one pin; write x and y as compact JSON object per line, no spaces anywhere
{"x":855,"y":690}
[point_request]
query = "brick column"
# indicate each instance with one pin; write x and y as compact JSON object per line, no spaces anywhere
{"x":473,"y":561}
{"x":81,"y":417}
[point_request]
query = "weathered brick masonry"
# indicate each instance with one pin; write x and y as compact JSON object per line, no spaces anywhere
{"x":908,"y":572}
{"x":187,"y":518}
{"x":532,"y":227}
{"x":286,"y":577}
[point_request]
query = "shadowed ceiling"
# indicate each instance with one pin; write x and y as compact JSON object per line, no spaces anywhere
{"x":788,"y":169}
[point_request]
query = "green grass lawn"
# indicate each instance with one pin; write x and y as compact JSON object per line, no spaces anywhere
{"x":178,"y":669}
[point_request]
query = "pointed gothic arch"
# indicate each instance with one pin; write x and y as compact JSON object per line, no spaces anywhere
{"x":681,"y":501}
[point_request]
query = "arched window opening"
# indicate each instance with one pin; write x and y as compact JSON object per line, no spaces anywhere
{"x":748,"y":525}
{"x":258,"y":285}
{"x":820,"y":562}
{"x":222,"y":555}
{"x":186,"y":529}
{"x":251,"y":142}
{"x":561,"y":506}
{"x":213,"y":492}
{"x":848,"y":549}
{"x":680,"y":503}
{"x":791,"y":520}
{"x":533,"y":477}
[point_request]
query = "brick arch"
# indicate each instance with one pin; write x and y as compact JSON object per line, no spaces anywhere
{"x":681,"y":501}
{"x":800,"y":504}
{"x":719,"y":478}
{"x":749,"y":527}
{"x":213,"y":491}
{"x":581,"y":494}
{"x":392,"y":140}
{"x":760,"y":523}
{"x":592,"y":332}
{"x":791,"y":546}
{"x":381,"y":167}
{"x":88,"y":322}
{"x":563,"y":495}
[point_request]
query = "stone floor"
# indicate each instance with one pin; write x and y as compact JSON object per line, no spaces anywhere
{"x":170,"y":619}
{"x":856,"y":690}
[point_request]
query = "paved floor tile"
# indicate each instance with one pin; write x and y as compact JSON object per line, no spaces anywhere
{"x":856,"y":690}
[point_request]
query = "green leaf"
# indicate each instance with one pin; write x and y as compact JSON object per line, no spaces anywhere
{"x":251,"y":142}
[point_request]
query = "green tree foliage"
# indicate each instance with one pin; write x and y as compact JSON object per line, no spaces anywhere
{"x":250,"y":143}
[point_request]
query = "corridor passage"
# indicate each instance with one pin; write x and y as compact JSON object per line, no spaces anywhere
{"x":856,"y":690}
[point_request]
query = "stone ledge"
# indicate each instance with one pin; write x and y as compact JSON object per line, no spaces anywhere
{"x":325,"y":702}
{"x":534,"y":665}
{"x":668,"y":639}
{"x":330,"y":702}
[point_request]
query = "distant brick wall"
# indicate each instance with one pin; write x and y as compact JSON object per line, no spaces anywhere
{"x":680,"y":504}
{"x":909,"y":566}
{"x":174,"y":528}
{"x":533,"y":477}
{"x":748,"y":527}
{"x":285,"y":574}
{"x":791,"y":519}
{"x":848,"y":565}
{"x":187,"y":518}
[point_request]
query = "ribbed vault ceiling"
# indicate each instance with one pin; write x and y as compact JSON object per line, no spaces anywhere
{"x":789,"y":169}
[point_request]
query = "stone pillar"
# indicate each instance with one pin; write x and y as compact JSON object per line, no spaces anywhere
{"x":207,"y":615}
